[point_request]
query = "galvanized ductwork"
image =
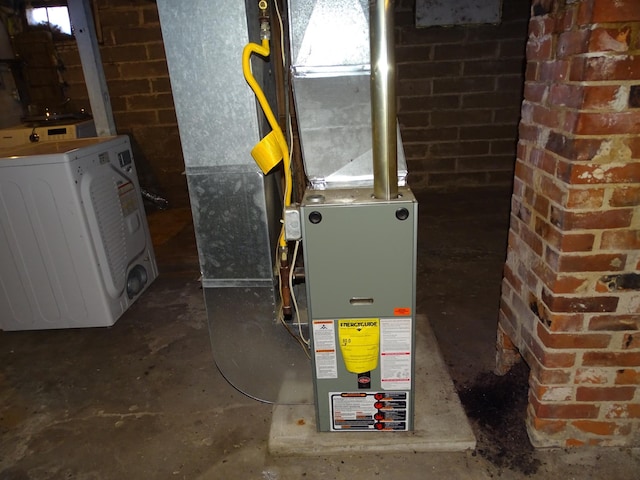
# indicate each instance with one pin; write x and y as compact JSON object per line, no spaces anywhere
{"x":330,"y":50}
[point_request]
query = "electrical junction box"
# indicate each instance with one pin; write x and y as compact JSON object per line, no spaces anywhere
{"x":360,"y":258}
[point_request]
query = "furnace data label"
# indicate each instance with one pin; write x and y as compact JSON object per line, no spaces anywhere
{"x":381,"y":411}
{"x":324,"y":347}
{"x":395,"y":353}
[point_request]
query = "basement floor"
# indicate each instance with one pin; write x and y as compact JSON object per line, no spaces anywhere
{"x":144,"y":400}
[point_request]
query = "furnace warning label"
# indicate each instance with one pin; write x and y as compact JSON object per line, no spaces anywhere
{"x":324,"y":348}
{"x":395,"y":353}
{"x":388,"y":411}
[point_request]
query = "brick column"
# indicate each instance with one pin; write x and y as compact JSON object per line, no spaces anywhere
{"x":571,"y":289}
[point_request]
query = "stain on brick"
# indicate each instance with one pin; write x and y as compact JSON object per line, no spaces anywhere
{"x":634,"y":96}
{"x":625,"y":281}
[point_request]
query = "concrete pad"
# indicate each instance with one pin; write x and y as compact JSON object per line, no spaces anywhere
{"x":441,"y":424}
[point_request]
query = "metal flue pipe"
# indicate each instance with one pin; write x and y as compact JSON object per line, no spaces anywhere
{"x":383,"y":100}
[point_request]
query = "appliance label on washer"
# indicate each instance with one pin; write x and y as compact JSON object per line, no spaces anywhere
{"x":395,"y":353}
{"x":127,"y":194}
{"x":324,"y":348}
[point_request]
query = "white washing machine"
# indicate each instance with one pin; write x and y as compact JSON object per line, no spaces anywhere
{"x":75,"y":249}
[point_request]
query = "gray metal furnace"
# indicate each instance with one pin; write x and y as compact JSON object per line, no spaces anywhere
{"x":358,"y":218}
{"x":360,"y":257}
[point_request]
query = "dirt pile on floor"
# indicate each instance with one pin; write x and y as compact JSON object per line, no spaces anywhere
{"x":497,"y":407}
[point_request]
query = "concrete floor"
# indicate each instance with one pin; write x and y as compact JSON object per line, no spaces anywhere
{"x":144,"y":400}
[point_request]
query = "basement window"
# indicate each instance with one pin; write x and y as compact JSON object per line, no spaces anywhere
{"x":54,"y":18}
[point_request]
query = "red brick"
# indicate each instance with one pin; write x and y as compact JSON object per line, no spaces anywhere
{"x":609,"y":40}
{"x":546,"y":376}
{"x":620,"y":240}
{"x":611,"y":359}
{"x":551,"y":187}
{"x":622,"y":410}
{"x":564,"y":242}
{"x":531,"y":71}
{"x":572,"y":42}
{"x":568,"y":284}
{"x":533,"y":240}
{"x":596,"y":220}
{"x":510,"y":277}
{"x":614,"y":323}
{"x":541,"y":115}
{"x":605,"y":394}
{"x":563,"y":322}
{"x":594,"y":173}
{"x":566,"y":18}
{"x":622,"y":11}
{"x":592,"y":376}
{"x":542,"y":160}
{"x":604,"y":123}
{"x":540,"y":48}
{"x":600,"y":428}
{"x":580,"y":149}
{"x":585,"y":198}
{"x":579,"y":304}
{"x":625,"y":196}
{"x":548,"y":427}
{"x":547,"y":358}
{"x":574,"y":442}
{"x":611,"y":67}
{"x":627,"y":376}
{"x":584,"y":14}
{"x":572,"y":340}
{"x":551,"y":393}
{"x":535,"y":92}
{"x":554,"y":71}
{"x":563,"y":411}
{"x":631,"y":341}
{"x":566,"y":95}
{"x":541,"y":25}
{"x":524,"y":172}
{"x":578,"y":242}
{"x":528,"y":132}
{"x":592,"y":263}
{"x":601,"y":96}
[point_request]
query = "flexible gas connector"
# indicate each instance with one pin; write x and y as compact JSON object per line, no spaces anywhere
{"x":264,"y":51}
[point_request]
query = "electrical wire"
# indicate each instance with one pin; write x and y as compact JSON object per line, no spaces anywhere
{"x":293,"y":295}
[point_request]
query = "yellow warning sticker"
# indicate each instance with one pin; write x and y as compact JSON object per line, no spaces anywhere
{"x":359,"y":343}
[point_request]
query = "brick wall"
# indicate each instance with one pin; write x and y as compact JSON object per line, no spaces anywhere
{"x":459,"y":96}
{"x":571,"y":289}
{"x":138,"y":81}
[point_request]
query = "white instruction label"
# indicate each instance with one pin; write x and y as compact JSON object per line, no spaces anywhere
{"x":324,"y":348}
{"x":395,"y":353}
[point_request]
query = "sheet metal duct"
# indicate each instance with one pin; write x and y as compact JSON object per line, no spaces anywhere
{"x":331,"y":82}
{"x":236,"y":210}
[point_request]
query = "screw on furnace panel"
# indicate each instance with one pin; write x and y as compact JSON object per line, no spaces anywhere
{"x":315,"y":217}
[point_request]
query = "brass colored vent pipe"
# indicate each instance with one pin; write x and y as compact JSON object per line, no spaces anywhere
{"x":383,"y":100}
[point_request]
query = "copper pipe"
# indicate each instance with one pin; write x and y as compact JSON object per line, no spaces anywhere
{"x":383,"y":100}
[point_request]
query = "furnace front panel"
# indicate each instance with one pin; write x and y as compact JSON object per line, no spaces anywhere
{"x":360,"y":257}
